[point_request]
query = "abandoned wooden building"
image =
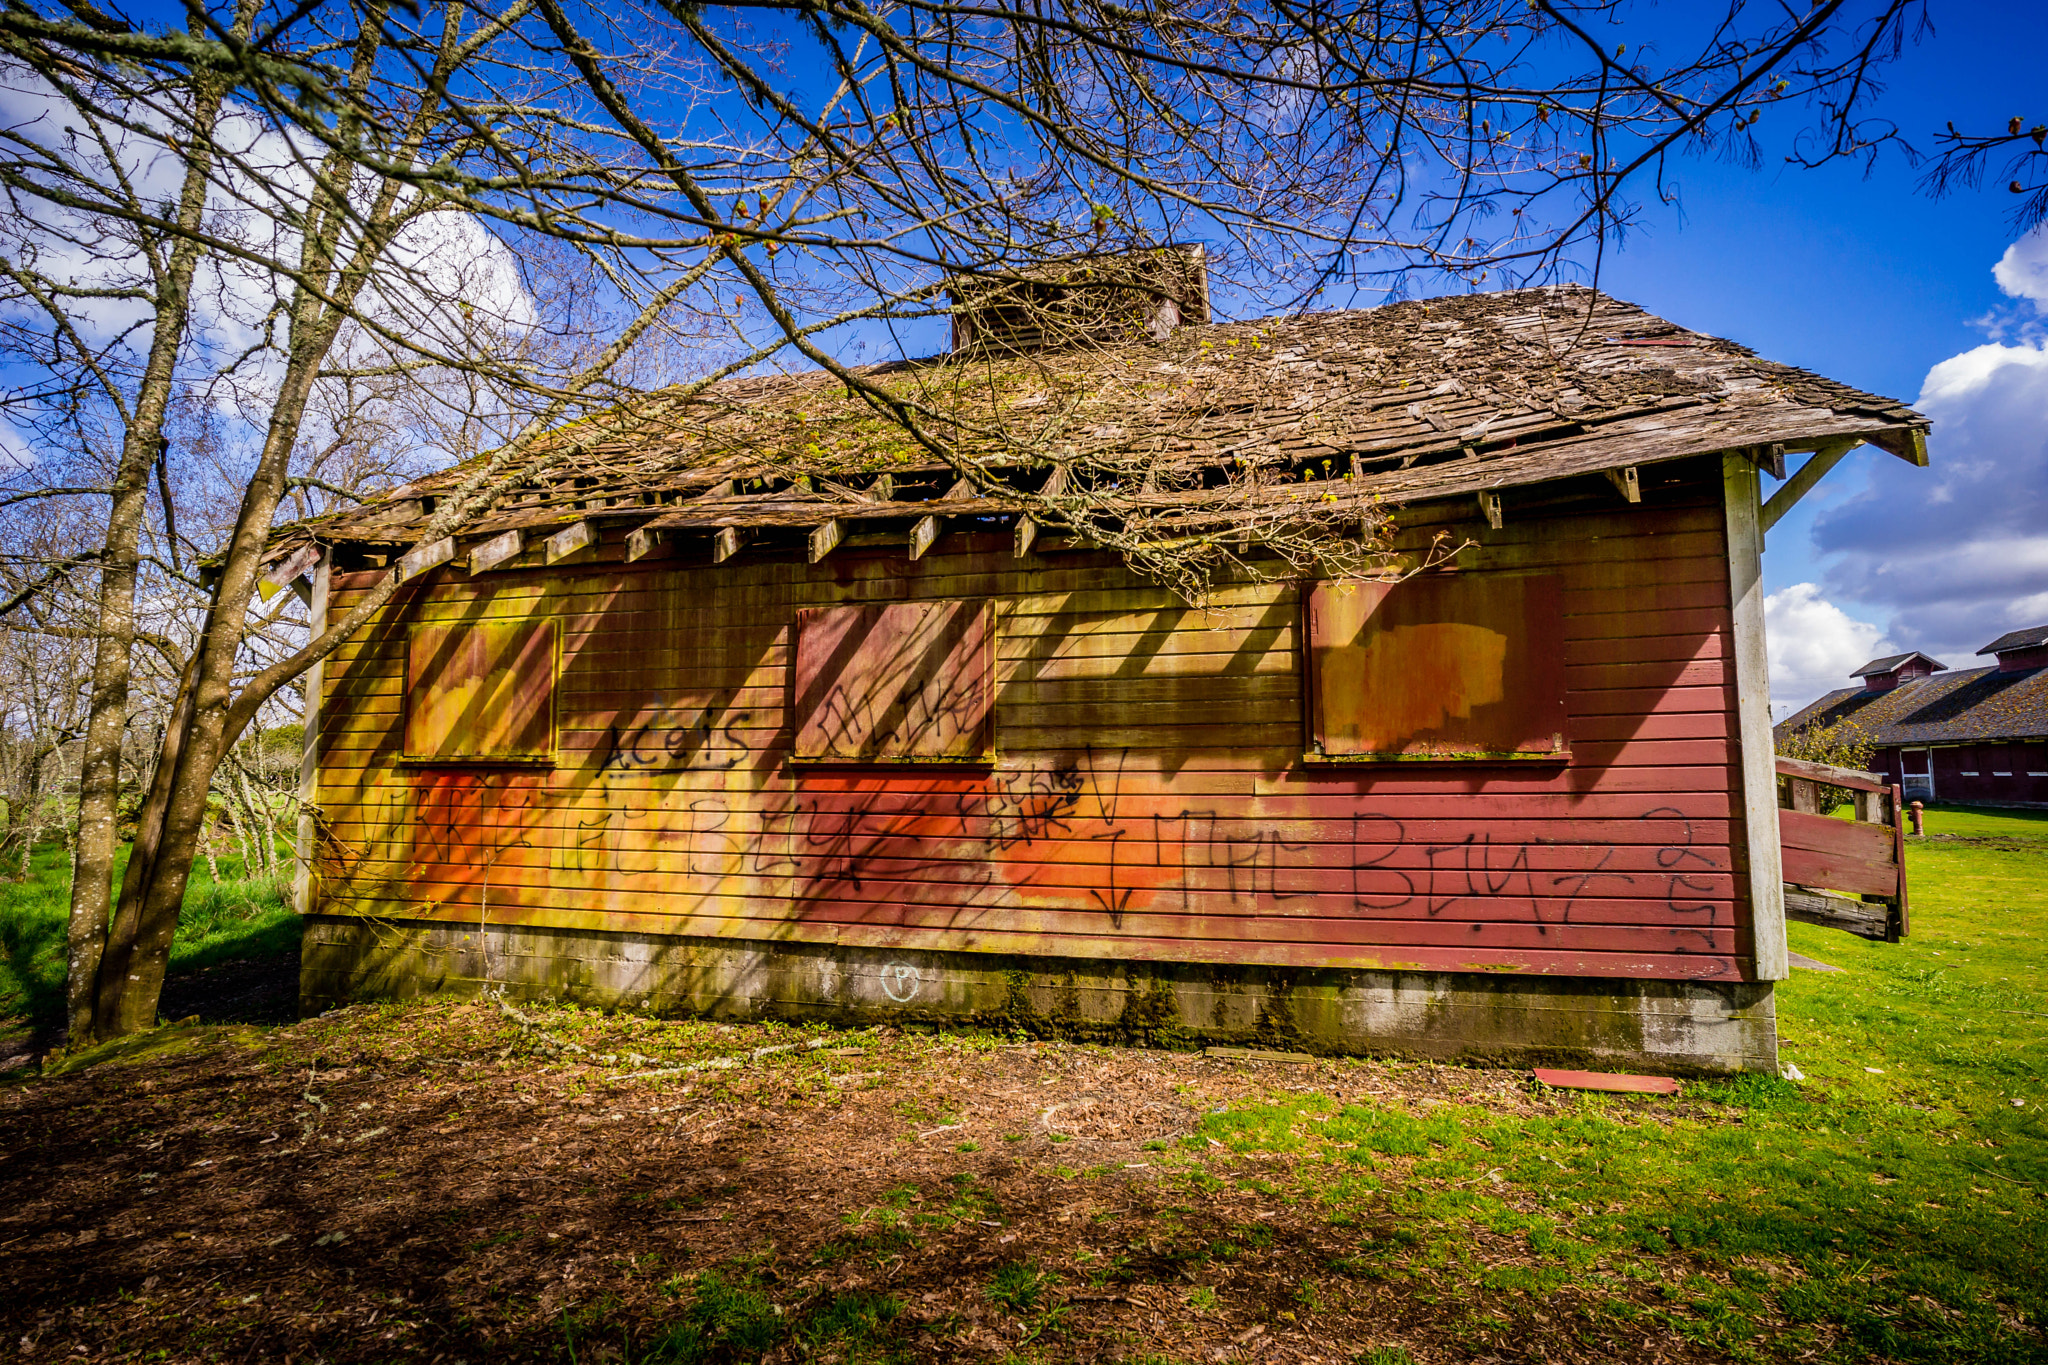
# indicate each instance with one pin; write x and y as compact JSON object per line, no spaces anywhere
{"x":682,"y":728}
{"x":1967,"y":736}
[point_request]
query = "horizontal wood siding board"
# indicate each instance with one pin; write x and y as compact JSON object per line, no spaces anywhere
{"x":1655,"y":659}
{"x":1393,"y":780}
{"x":1825,"y":834}
{"x":1263,"y":738}
{"x":581,"y":615}
{"x":1627,"y":624}
{"x":1424,"y":812}
{"x":1208,"y":917}
{"x":690,"y":845}
{"x":1839,"y":872}
{"x":1253,"y":648}
{"x":1631,"y":649}
{"x":1688,"y":586}
{"x":1145,"y":751}
{"x":1637,"y":701}
{"x":1617,"y":677}
{"x":1040,"y":931}
{"x":1054,"y":908}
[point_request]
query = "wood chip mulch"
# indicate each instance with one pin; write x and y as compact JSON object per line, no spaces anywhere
{"x":443,"y":1184}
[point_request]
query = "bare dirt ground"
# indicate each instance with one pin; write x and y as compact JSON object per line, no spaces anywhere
{"x":444,"y":1183}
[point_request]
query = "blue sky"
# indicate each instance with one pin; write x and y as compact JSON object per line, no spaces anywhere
{"x":1868,"y":281}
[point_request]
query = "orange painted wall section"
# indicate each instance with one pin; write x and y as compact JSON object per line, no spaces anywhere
{"x":1148,"y":796}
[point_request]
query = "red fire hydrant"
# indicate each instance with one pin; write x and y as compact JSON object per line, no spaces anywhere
{"x":1914,"y":814}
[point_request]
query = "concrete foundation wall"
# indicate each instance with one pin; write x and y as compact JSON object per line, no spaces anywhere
{"x":1665,"y":1026}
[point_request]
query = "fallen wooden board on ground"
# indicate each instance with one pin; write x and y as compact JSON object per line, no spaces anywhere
{"x":1618,"y":1081}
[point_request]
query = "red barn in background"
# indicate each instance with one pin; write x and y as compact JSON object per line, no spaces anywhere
{"x":1971,"y":736}
{"x":760,"y":710}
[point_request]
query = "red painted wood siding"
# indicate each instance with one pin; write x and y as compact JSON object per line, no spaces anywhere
{"x":1992,"y":772}
{"x":1148,"y":798}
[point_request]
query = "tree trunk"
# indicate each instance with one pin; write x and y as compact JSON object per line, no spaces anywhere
{"x":99,"y":770}
{"x":206,"y":842}
{"x":241,"y":822}
{"x":258,"y":802}
{"x":197,"y":738}
{"x":32,"y":814}
{"x":114,"y":977}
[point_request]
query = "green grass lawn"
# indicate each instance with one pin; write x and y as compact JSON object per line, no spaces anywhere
{"x":234,"y":918}
{"x":1888,"y":1206}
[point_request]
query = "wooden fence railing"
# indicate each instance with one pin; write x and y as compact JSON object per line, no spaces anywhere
{"x":1844,"y":874}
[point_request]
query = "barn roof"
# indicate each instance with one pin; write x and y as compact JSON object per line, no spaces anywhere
{"x":1406,"y":402}
{"x":1969,"y":704}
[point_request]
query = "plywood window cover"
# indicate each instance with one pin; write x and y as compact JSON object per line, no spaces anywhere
{"x":481,"y":692}
{"x":895,"y":683}
{"x":1473,"y":673}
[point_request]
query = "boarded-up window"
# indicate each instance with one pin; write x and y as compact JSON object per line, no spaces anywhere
{"x":482,"y":693}
{"x":902,"y":682}
{"x":1439,"y":666}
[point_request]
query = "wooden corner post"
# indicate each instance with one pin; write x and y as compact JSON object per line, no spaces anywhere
{"x":306,"y":841}
{"x":1756,"y":758}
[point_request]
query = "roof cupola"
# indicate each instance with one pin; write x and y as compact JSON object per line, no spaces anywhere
{"x":2020,"y":649}
{"x":1882,"y":675}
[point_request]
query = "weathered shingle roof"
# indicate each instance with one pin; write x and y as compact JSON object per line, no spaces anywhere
{"x":2032,"y":637}
{"x":1892,"y":661}
{"x":1410,"y":401}
{"x":1947,"y":708}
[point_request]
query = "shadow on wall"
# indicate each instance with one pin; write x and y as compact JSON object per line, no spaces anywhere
{"x":1138,"y":810}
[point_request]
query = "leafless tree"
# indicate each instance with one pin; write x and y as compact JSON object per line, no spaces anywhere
{"x":43,"y":681}
{"x":677,"y":195}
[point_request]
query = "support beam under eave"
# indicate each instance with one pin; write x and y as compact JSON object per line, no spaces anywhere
{"x":424,"y":556}
{"x":642,"y":543}
{"x":1489,"y":504}
{"x":496,"y":551}
{"x":1908,"y":443}
{"x":923,"y":535}
{"x":571,"y":539}
{"x":826,"y":539}
{"x":726,"y":544}
{"x":1801,"y":483}
{"x":1027,"y":533}
{"x":1627,"y":481}
{"x":287,"y":574}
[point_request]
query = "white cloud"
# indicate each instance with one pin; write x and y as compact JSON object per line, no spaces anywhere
{"x":17,"y":451}
{"x":446,"y":283}
{"x":1958,"y":551}
{"x":2023,"y":271}
{"x":1813,"y":645}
